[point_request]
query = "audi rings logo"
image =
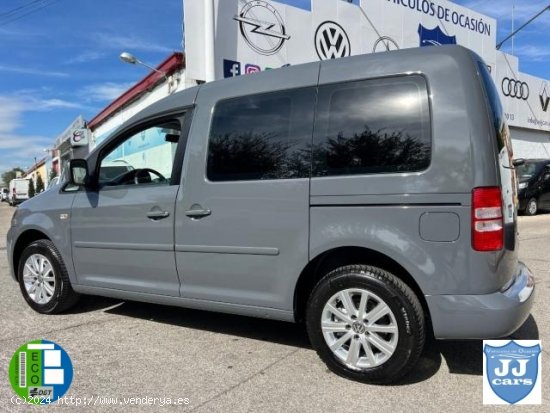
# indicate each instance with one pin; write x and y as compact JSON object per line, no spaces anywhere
{"x":515,"y":89}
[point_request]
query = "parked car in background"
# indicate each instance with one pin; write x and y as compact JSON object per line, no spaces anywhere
{"x":4,"y":194}
{"x":353,"y":194}
{"x":534,"y":186}
{"x":18,"y":191}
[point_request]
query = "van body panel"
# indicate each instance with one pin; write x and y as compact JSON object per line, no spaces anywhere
{"x":111,"y":227}
{"x":240,"y":246}
{"x":44,"y":213}
{"x":254,"y":245}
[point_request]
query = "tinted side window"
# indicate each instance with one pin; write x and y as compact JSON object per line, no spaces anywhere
{"x":372,"y":126}
{"x":265,"y":136}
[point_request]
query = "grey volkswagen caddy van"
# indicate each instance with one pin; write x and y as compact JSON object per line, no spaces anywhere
{"x":371,"y":197}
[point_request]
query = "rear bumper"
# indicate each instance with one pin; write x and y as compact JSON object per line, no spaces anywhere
{"x":484,"y":316}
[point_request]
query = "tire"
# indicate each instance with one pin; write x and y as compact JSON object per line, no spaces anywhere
{"x":532,"y":207}
{"x":59,"y":295}
{"x":405,"y":317}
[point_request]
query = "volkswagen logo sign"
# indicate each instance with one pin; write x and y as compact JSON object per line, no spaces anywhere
{"x":262,"y":27}
{"x":332,"y":41}
{"x":515,"y":89}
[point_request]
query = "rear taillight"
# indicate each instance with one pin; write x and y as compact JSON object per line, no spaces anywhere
{"x":487,"y":224}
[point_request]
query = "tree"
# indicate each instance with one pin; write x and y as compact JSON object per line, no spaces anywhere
{"x":39,"y":184}
{"x":32,"y":191}
{"x":9,"y":175}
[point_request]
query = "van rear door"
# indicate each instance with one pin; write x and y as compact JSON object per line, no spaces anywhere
{"x":505,"y":154}
{"x":22,"y":188}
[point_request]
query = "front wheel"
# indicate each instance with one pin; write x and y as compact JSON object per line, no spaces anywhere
{"x":365,"y":324}
{"x":43,"y":279}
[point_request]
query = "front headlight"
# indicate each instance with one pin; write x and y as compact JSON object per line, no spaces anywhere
{"x":522,"y":185}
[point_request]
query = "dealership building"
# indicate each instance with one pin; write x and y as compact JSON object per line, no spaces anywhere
{"x":225,"y":38}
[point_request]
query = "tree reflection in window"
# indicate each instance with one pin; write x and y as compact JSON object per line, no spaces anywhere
{"x":260,"y":137}
{"x":372,"y":126}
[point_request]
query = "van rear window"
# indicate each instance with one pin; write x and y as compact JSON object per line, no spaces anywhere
{"x":372,"y":126}
{"x":495,"y":106}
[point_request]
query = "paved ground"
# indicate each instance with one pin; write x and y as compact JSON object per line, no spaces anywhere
{"x":227,"y":363}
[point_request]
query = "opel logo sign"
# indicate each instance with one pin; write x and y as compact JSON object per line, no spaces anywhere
{"x":515,"y":89}
{"x":262,"y":27}
{"x":331,"y":41}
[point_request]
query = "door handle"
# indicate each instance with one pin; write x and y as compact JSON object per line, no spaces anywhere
{"x":156,"y":215}
{"x":198,"y":213}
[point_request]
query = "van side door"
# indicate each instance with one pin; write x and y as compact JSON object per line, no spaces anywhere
{"x":123,"y":232}
{"x":242,"y":217}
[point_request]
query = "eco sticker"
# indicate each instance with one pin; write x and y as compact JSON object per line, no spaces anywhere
{"x":40,"y":372}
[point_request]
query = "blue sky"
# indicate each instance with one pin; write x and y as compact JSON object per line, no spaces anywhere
{"x":62,"y":61}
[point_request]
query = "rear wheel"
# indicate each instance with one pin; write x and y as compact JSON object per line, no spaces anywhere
{"x":43,"y":279}
{"x":366,"y":324}
{"x":532,"y":207}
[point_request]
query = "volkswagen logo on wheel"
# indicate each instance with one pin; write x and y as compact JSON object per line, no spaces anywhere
{"x":515,"y":89}
{"x":262,"y":27}
{"x":331,"y":41}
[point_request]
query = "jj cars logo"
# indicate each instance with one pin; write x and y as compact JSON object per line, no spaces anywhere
{"x":434,"y":37}
{"x":511,"y":372}
{"x":515,"y":89}
{"x":544,"y":96}
{"x":331,"y":41}
{"x":262,"y":27}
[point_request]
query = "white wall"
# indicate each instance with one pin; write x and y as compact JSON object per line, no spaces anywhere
{"x":530,"y":144}
{"x":148,"y":98}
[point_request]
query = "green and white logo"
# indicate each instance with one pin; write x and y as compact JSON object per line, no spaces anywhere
{"x":40,"y":372}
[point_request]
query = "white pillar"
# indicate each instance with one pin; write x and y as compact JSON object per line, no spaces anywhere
{"x":209,"y":38}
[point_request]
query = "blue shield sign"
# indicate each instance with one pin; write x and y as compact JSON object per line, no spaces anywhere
{"x":512,"y":370}
{"x":434,"y":37}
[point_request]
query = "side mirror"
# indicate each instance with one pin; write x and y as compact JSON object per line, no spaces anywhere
{"x":518,"y":162}
{"x":78,"y":172}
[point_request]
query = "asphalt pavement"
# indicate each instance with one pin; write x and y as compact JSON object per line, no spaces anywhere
{"x":223,"y":363}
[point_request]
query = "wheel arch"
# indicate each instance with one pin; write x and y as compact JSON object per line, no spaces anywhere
{"x":341,"y":256}
{"x":25,"y":238}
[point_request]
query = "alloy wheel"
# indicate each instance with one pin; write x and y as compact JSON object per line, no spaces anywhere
{"x":39,"y":279}
{"x":359,"y":328}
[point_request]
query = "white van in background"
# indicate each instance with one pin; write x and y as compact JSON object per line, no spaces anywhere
{"x":4,"y":194}
{"x":19,"y":191}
